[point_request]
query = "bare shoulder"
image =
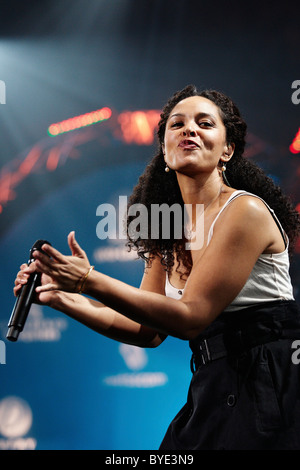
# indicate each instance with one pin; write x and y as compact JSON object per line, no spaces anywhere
{"x":246,"y":208}
{"x":248,"y":217}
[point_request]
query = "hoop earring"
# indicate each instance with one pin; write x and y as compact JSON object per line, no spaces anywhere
{"x":167,"y":169}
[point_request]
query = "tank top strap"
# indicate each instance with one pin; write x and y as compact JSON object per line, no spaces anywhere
{"x":237,"y":194}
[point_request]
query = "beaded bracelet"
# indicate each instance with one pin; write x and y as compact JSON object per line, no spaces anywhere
{"x":85,"y":278}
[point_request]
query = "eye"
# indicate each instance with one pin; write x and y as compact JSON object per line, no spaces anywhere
{"x":176,"y":124}
{"x":206,"y":124}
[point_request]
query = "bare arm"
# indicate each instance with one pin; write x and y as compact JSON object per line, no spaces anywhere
{"x":106,"y":321}
{"x":109,"y":322}
{"x":96,"y":315}
{"x":241,"y":234}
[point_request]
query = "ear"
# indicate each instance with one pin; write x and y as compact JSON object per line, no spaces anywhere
{"x":228,"y":152}
{"x":163,"y":148}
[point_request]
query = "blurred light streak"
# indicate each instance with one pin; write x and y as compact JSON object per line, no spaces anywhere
{"x":42,"y":155}
{"x":77,"y":122}
{"x":53,"y":159}
{"x":28,"y":164}
{"x":139,"y":126}
{"x":295,"y":145}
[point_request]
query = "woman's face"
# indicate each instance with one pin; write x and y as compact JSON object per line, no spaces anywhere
{"x":195,"y":137}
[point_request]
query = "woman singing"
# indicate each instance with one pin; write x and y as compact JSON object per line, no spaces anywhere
{"x":230,"y":296}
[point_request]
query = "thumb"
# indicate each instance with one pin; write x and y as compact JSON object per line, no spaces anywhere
{"x":75,"y":248}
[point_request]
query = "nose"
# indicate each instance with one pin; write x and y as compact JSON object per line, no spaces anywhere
{"x":189,"y":131}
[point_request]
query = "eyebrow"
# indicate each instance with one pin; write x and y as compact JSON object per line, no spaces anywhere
{"x":201,"y":115}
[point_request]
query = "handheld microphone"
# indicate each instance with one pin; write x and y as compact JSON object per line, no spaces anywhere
{"x":24,"y":300}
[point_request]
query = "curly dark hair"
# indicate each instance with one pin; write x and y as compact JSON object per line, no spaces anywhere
{"x":155,"y":186}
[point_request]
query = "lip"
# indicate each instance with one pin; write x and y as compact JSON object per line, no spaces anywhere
{"x":188,"y":144}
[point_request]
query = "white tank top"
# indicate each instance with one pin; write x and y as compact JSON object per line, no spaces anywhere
{"x":269,"y":279}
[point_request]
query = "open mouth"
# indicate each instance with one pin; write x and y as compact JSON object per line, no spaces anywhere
{"x":188,"y":144}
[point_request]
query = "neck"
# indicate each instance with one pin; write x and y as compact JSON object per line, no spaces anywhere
{"x":200,"y":190}
{"x":198,"y":196}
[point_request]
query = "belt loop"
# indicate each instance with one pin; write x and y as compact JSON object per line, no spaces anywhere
{"x":204,"y":350}
{"x":207,"y":351}
{"x":202,"y":358}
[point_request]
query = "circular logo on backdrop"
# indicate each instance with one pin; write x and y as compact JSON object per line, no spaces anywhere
{"x":136,"y":359}
{"x":15,"y":417}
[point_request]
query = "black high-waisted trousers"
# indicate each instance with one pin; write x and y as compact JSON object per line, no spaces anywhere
{"x":245,"y":388}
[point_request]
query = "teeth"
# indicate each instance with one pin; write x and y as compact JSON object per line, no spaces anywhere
{"x":188,"y":143}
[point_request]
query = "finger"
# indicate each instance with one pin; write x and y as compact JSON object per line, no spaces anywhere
{"x":42,"y":259}
{"x":75,"y":248}
{"x":51,"y":252}
{"x":47,"y":287}
{"x":17,"y":290}
{"x":21,"y":279}
{"x":46,"y":268}
{"x":29,"y":269}
{"x":39,"y":266}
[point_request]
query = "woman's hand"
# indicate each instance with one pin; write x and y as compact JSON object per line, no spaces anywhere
{"x":44,"y":298}
{"x":63,"y":273}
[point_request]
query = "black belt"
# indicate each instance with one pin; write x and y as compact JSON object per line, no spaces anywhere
{"x":234,"y":343}
{"x":209,"y":349}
